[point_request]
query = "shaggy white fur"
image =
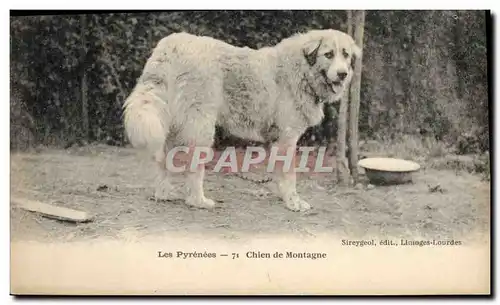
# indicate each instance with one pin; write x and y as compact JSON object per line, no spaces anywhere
{"x":273,"y":94}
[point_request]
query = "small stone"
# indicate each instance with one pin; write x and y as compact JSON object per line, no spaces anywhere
{"x":319,"y":187}
{"x":358,"y":186}
{"x":102,"y":188}
{"x":370,"y":187}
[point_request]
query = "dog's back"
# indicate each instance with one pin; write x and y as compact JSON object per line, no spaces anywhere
{"x":232,"y":86}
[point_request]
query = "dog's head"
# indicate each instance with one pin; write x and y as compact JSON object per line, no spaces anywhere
{"x":331,"y":56}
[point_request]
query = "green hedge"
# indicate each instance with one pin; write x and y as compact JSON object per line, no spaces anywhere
{"x":423,"y":71}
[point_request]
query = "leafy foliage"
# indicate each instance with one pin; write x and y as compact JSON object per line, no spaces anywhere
{"x":423,"y":71}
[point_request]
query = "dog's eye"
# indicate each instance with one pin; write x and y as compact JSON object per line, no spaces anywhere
{"x":344,"y":52}
{"x":329,"y":55}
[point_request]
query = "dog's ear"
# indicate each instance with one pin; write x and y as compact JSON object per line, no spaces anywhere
{"x":356,"y":53}
{"x":310,"y":51}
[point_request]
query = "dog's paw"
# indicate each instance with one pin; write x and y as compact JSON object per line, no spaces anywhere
{"x":159,"y":196}
{"x":297,"y":205}
{"x":167,"y":193}
{"x":203,"y":203}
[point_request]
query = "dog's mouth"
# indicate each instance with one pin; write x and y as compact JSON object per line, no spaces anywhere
{"x":331,"y":85}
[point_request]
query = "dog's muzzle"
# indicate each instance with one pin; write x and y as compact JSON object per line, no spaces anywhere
{"x":333,"y":86}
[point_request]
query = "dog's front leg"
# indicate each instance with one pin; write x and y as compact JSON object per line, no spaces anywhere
{"x":283,"y":158}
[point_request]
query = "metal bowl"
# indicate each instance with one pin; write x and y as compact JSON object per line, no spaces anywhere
{"x":386,"y":171}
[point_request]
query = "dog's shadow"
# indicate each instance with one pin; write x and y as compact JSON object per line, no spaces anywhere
{"x":178,"y":201}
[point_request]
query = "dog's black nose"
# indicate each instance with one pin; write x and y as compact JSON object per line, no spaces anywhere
{"x":342,"y":75}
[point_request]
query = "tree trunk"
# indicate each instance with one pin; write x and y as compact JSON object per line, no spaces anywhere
{"x":459,"y":55}
{"x":342,"y":165}
{"x":84,"y":83}
{"x":355,"y":97}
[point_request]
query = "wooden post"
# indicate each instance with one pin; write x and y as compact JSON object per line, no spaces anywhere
{"x":349,"y":22}
{"x":355,"y":97}
{"x":342,"y":167}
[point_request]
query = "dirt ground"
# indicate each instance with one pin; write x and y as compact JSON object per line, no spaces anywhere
{"x":114,"y":184}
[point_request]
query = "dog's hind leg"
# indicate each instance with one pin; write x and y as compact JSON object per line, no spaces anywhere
{"x":199,"y":133}
{"x":163,"y":186}
{"x":196,"y":196}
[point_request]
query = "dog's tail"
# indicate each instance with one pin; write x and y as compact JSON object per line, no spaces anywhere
{"x":146,"y":119}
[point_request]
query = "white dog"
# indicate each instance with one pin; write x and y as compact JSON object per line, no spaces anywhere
{"x":273,"y":94}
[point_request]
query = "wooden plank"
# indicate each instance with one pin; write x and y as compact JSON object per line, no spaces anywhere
{"x":51,"y":211}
